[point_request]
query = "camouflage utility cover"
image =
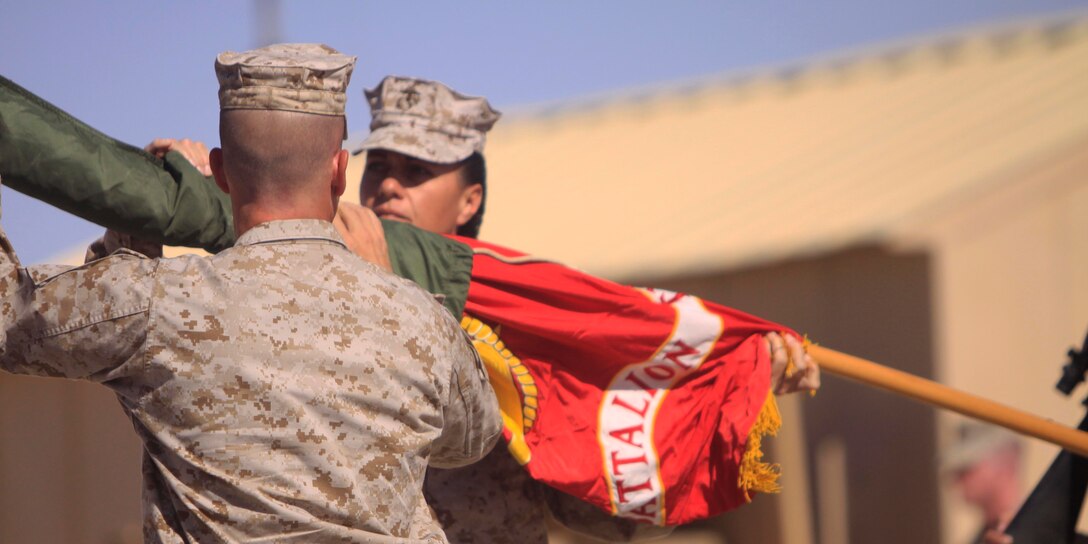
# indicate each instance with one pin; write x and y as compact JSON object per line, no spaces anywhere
{"x":298,"y":77}
{"x":427,"y":120}
{"x":284,"y":389}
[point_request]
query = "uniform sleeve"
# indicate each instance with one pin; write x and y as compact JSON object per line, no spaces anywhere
{"x":49,"y":155}
{"x":472,"y":423}
{"x":584,"y":518}
{"x":85,"y":322}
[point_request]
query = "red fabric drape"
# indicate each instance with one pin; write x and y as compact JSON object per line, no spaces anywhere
{"x":638,"y":401}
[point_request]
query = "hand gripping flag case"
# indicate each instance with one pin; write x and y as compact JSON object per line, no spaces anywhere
{"x":646,"y":403}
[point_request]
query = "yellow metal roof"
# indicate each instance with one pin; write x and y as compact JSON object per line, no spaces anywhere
{"x":739,"y":170}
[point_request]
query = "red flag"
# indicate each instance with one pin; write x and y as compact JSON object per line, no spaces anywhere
{"x":646,"y":403}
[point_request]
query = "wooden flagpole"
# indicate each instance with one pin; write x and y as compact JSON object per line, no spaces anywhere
{"x":930,"y":392}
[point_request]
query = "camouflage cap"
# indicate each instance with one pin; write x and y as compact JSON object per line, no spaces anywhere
{"x":299,"y":77}
{"x":427,"y":120}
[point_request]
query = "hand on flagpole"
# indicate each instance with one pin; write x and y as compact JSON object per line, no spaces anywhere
{"x":193,"y":151}
{"x":792,"y":369}
{"x":113,"y":240}
{"x":363,"y":232}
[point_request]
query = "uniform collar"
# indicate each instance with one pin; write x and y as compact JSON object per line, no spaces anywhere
{"x":291,"y":229}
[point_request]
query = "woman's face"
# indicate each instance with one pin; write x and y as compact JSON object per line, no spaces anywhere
{"x":428,"y":195}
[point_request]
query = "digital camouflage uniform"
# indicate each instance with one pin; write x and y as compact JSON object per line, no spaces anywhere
{"x":427,"y":120}
{"x":493,"y":501}
{"x":284,"y":389}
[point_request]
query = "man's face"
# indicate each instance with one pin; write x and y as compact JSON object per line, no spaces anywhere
{"x":428,"y":195}
{"x":993,"y":476}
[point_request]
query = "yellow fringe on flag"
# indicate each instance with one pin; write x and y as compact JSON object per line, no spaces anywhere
{"x":755,"y":474}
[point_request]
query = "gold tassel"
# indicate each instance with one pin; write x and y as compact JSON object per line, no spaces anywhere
{"x":755,"y":474}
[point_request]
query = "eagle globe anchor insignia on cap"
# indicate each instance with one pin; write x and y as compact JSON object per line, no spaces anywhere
{"x":427,"y":120}
{"x":294,"y":77}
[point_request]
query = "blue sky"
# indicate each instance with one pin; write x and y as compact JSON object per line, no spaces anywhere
{"x":140,"y":70}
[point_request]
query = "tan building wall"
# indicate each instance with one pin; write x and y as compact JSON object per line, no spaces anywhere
{"x":1011,"y":271}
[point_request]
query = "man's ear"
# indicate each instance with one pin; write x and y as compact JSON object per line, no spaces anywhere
{"x":215,"y":159}
{"x":340,"y":179}
{"x":471,"y":198}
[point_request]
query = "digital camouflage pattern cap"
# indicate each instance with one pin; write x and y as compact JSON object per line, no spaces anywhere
{"x":298,"y":77}
{"x":427,"y":120}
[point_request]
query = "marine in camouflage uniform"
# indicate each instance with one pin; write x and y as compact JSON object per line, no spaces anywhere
{"x":48,"y":154}
{"x":493,"y":501}
{"x":284,"y":389}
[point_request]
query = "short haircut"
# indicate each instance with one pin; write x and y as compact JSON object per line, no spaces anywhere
{"x":474,"y":171}
{"x":277,"y":152}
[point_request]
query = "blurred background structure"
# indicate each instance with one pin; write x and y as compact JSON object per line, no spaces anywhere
{"x":918,"y":196}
